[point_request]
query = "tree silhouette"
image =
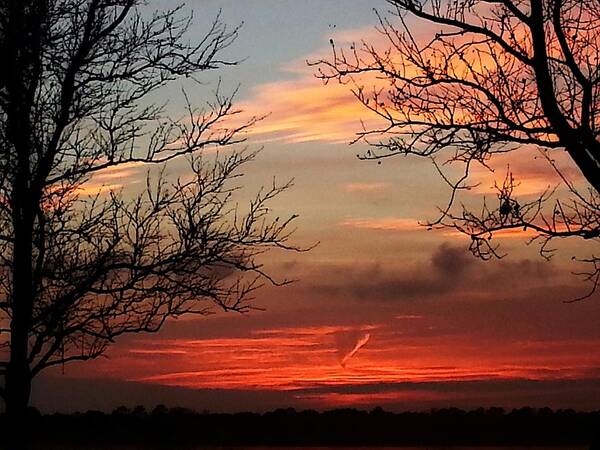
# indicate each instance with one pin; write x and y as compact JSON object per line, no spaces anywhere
{"x":79,"y":270}
{"x":492,"y":77}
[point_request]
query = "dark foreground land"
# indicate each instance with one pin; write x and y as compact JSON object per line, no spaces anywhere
{"x":287,"y":427}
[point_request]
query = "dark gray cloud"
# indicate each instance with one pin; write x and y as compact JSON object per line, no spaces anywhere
{"x":450,"y":261}
{"x":450,"y":271}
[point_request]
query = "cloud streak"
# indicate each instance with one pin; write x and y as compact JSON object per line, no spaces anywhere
{"x":383,"y":224}
{"x":303,"y":110}
{"x":366,"y":187}
{"x":362,"y":341}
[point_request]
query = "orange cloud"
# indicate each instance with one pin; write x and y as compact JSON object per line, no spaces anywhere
{"x":384,"y":224}
{"x":303,"y":109}
{"x":373,"y":398}
{"x":533,"y":174}
{"x":292,"y":359}
{"x":113,"y":178}
{"x":510,"y":233}
{"x":366,"y":187}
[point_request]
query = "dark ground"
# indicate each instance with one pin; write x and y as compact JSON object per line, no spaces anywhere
{"x":287,"y":427}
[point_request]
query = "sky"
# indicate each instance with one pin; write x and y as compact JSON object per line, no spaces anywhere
{"x":384,"y":312}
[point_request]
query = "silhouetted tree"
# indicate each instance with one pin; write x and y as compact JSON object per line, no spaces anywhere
{"x":492,"y":76}
{"x":79,"y":270}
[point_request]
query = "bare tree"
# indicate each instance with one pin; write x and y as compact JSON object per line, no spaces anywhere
{"x":79,"y":270}
{"x":493,"y":76}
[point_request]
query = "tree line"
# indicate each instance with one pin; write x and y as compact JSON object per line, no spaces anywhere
{"x":289,"y":427}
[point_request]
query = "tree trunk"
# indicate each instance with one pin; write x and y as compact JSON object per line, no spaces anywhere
{"x":17,"y":394}
{"x":18,"y":373}
{"x":22,"y":48}
{"x":18,"y":390}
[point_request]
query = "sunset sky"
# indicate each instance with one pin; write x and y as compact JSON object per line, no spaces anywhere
{"x":385,"y":312}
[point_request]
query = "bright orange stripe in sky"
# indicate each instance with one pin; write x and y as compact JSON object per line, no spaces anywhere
{"x":299,"y":358}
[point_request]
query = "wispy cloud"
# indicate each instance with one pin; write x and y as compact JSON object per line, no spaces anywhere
{"x":385,"y":224}
{"x":532,"y":172}
{"x":282,"y":362}
{"x":303,"y":109}
{"x":114,"y":179}
{"x":366,"y":187}
{"x":360,"y":343}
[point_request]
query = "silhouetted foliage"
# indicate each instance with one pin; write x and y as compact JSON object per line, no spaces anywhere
{"x":78,"y":270}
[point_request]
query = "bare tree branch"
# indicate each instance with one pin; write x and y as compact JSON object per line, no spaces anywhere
{"x":79,"y":269}
{"x":496,"y":75}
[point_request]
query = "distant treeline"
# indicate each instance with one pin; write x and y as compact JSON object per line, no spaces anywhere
{"x":288,"y":427}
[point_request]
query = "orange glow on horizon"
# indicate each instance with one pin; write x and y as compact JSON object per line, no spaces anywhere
{"x":306,"y":358}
